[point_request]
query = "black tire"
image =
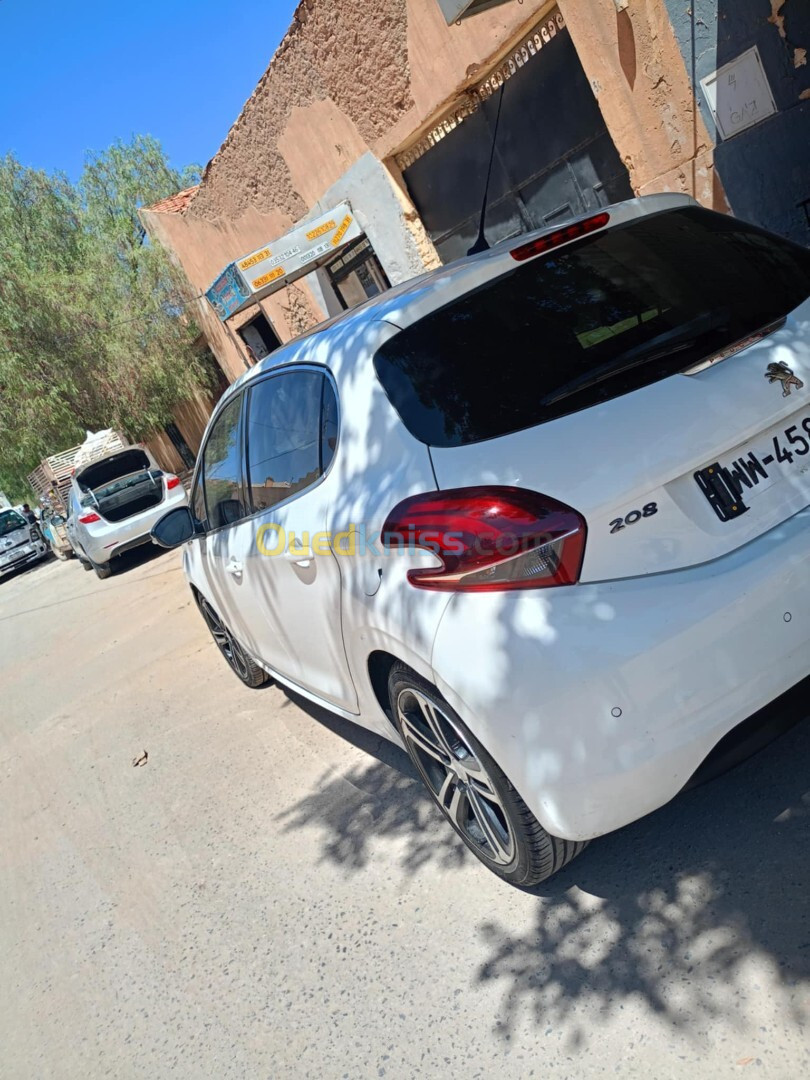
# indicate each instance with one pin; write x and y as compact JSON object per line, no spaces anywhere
{"x":103,"y":571}
{"x":494,"y":822}
{"x":245,"y":669}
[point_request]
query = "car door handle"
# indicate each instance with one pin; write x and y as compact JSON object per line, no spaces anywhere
{"x":301,"y":556}
{"x":234,"y":567}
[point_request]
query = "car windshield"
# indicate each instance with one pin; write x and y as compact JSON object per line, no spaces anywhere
{"x":10,"y":520}
{"x":600,"y":318}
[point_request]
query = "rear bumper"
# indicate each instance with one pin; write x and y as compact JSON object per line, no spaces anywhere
{"x":602,"y":700}
{"x":103,"y":540}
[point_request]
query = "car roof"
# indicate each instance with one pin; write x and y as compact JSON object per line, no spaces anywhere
{"x":406,"y":303}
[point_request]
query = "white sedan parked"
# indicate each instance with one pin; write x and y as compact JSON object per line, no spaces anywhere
{"x":114,"y":502}
{"x":541,"y":516}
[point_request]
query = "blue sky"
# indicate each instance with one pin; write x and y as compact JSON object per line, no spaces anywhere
{"x":77,"y":74}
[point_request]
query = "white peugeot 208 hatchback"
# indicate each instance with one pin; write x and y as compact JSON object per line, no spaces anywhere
{"x":541,"y":516}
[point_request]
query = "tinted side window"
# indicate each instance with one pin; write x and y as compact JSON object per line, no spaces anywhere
{"x":284,"y":436}
{"x":222,"y":468}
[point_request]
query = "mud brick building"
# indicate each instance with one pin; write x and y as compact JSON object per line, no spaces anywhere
{"x":359,"y":160}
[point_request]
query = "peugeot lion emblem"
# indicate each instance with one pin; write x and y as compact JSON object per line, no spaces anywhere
{"x":782,"y":373}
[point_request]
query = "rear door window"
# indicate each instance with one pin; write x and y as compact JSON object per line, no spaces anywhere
{"x":222,"y":468}
{"x":598,"y":319}
{"x":291,"y":435}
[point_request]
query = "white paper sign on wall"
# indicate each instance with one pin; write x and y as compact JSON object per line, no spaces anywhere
{"x":739,"y":94}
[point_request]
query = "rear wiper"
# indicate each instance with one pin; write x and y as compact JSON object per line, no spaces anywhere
{"x":667,"y":343}
{"x":610,"y":371}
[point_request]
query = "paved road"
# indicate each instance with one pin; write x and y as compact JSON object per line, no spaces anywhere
{"x":271,"y":894}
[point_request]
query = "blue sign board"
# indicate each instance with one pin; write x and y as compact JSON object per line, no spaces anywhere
{"x":229,"y":292}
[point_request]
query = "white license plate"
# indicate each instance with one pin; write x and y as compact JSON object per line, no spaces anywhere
{"x":730,"y":484}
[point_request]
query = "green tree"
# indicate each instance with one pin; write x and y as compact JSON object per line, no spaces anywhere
{"x":94,"y":323}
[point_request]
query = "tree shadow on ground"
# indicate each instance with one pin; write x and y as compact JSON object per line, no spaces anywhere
{"x":386,"y":800}
{"x":674,"y":909}
{"x":671,"y":911}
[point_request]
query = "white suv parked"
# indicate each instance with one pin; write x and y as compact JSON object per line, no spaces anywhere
{"x":588,"y":451}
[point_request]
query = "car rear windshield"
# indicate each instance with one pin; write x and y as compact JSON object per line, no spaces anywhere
{"x":600,"y":318}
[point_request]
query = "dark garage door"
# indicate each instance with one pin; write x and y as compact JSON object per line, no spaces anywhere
{"x":554,"y":158}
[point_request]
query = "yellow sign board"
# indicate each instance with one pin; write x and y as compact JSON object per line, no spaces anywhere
{"x":322,"y":230}
{"x":251,"y":260}
{"x":265,"y":279}
{"x":344,"y":228}
{"x":284,"y":260}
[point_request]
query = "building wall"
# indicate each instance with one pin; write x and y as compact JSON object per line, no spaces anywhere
{"x":191,"y":418}
{"x":354,"y":84}
{"x":637,"y":72}
{"x":765,"y":169}
{"x":203,"y":248}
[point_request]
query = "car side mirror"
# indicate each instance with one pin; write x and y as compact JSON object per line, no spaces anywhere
{"x":175,"y":528}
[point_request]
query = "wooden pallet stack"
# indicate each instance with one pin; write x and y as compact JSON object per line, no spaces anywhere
{"x":53,"y":473}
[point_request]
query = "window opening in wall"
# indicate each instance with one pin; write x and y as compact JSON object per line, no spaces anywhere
{"x":259,"y":337}
{"x":180,"y":445}
{"x":357,"y":275}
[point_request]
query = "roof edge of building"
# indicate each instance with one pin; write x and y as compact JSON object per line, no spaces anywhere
{"x":285,"y":44}
{"x":173,"y":204}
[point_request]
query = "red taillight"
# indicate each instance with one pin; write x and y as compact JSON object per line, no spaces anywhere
{"x":172,"y":482}
{"x":561,"y":236}
{"x":88,"y":519}
{"x":489,"y":539}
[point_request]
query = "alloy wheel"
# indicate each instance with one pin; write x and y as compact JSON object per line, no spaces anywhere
{"x":226,"y":643}
{"x":459,"y":782}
